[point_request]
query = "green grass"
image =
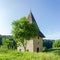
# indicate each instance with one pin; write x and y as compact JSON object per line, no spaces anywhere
{"x":15,"y":55}
{"x":54,"y":50}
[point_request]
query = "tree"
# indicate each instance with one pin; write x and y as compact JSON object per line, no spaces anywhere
{"x":8,"y":42}
{"x":47,"y":43}
{"x":22,"y":30}
{"x":56,"y":43}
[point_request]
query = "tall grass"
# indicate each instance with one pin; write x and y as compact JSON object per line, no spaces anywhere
{"x":15,"y":55}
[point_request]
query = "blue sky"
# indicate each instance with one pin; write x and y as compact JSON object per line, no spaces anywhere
{"x":46,"y":13}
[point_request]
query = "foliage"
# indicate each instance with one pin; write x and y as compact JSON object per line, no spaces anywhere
{"x":56,"y":43}
{"x":56,"y":51}
{"x":8,"y":43}
{"x":22,"y":30}
{"x":47,"y":44}
{"x":0,"y":40}
{"x":15,"y":55}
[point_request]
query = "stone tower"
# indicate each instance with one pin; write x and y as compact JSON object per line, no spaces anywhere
{"x":34,"y":44}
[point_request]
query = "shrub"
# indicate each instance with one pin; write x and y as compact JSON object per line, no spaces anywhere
{"x":56,"y":44}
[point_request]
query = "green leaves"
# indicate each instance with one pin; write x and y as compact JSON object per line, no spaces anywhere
{"x":56,"y":44}
{"x":22,"y":29}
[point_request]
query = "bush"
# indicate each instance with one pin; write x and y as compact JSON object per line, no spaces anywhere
{"x":9,"y":43}
{"x":56,"y":44}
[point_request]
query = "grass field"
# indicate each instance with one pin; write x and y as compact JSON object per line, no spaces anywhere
{"x":15,"y":55}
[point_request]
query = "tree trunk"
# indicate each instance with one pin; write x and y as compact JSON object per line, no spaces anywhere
{"x":24,"y":48}
{"x":24,"y":45}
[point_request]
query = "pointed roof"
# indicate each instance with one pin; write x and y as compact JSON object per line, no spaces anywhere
{"x":32,"y":19}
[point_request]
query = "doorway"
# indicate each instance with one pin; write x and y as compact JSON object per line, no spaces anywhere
{"x":37,"y":49}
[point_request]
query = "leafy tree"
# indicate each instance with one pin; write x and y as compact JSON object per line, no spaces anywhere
{"x":5,"y":41}
{"x":22,"y":30}
{"x":8,"y":43}
{"x":47,"y":44}
{"x":56,"y":44}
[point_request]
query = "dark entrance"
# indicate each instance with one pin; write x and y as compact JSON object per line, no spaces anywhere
{"x":37,"y":49}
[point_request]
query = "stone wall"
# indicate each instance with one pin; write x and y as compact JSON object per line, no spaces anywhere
{"x":38,"y":44}
{"x":33,"y":45}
